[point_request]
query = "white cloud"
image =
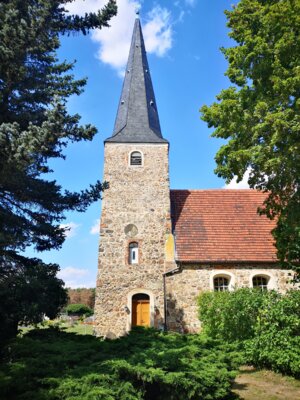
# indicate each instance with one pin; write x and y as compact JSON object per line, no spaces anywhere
{"x":73,"y":229}
{"x":158,"y":31}
{"x":77,"y":277}
{"x":184,"y":9}
{"x":114,"y":42}
{"x":95,"y":229}
{"x":80,"y":7}
{"x":190,"y":2}
{"x":243,"y":184}
{"x":71,"y":272}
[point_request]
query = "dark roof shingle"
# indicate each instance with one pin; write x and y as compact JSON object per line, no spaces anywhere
{"x":221,"y":226}
{"x":137,"y":118}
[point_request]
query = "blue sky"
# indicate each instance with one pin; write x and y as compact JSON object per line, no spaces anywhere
{"x":183,"y":39}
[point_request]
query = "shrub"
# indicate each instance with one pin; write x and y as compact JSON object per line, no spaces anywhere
{"x":276,"y":341}
{"x":79,"y":309}
{"x":232,"y":316}
{"x":147,"y":364}
{"x":265,"y":324}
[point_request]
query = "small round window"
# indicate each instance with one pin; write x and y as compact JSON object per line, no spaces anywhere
{"x":136,"y":158}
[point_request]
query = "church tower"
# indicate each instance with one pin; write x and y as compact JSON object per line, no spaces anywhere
{"x":135,"y":221}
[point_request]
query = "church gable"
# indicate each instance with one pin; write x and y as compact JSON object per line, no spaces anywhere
{"x":221,"y":226}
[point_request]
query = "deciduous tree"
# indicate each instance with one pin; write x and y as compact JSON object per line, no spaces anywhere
{"x":259,"y":113}
{"x":83,"y":296}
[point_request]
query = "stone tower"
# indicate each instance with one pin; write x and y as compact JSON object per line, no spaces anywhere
{"x":135,"y":221}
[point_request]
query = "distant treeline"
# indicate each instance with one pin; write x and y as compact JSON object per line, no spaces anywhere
{"x":82,"y":296}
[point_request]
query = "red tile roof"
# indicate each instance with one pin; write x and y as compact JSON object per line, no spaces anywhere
{"x":221,"y":226}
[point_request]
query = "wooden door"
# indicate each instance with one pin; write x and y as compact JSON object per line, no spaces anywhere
{"x":140,"y":313}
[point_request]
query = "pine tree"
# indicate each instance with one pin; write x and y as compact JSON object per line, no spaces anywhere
{"x":35,"y":127}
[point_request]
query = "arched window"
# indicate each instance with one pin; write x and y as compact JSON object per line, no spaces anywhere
{"x":136,"y":158}
{"x":221,"y":283}
{"x":260,"y":282}
{"x":133,"y":253}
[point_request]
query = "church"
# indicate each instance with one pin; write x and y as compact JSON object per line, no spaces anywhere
{"x":160,"y":248}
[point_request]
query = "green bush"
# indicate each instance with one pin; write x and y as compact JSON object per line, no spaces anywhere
{"x":146,"y":364}
{"x":276,"y":341}
{"x":266,"y":325}
{"x":232,"y":316}
{"x":79,"y":309}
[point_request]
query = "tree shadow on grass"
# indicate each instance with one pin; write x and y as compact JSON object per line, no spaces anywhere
{"x":146,"y":364}
{"x":240,"y":387}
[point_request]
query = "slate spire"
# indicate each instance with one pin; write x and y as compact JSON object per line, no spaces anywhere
{"x":137,"y":118}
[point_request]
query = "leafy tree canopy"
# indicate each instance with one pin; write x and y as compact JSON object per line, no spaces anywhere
{"x":82,"y":296}
{"x":29,"y":290}
{"x":259,"y":114}
{"x":79,"y":309}
{"x":35,"y":125}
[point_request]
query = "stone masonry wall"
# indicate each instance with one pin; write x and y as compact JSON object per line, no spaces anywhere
{"x":139,"y":196}
{"x":136,"y":208}
{"x":184,"y":287}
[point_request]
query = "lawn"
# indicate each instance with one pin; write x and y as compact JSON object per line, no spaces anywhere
{"x":80,"y":329}
{"x":77,"y":327}
{"x":252,"y":384}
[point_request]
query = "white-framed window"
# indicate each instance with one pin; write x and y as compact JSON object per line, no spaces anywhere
{"x":260,"y":282}
{"x":133,"y":253}
{"x":221,"y":283}
{"x":136,"y":159}
{"x":263,"y":279}
{"x":221,"y":280}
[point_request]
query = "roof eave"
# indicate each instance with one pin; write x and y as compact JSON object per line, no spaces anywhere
{"x":228,"y":262}
{"x":161,"y":141}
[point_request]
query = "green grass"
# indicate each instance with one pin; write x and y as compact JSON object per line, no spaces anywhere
{"x":78,"y":327}
{"x":49,"y":364}
{"x":252,"y":384}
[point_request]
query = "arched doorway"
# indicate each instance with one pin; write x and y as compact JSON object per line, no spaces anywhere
{"x":140,"y":309}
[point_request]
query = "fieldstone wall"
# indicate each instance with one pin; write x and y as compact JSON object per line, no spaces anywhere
{"x":135,"y":208}
{"x":184,"y":287}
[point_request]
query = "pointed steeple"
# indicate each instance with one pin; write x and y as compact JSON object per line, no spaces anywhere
{"x":137,"y":118}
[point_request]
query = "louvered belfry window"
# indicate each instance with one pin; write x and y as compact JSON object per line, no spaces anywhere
{"x":136,"y":158}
